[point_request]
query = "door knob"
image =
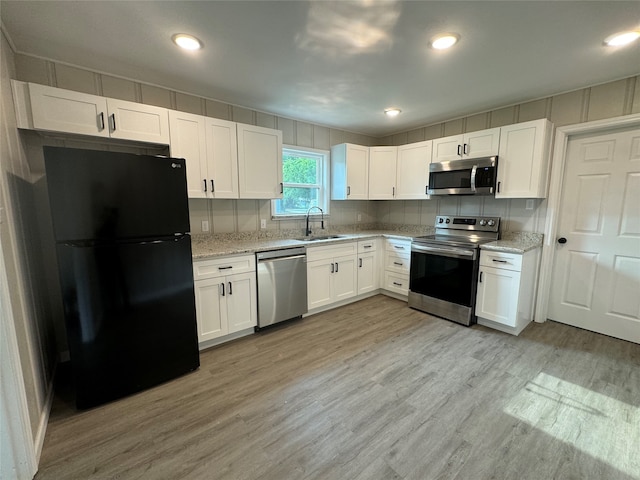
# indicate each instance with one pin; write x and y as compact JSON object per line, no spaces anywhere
{"x":562,"y":240}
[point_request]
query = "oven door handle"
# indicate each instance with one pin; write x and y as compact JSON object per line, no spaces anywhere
{"x":445,"y":251}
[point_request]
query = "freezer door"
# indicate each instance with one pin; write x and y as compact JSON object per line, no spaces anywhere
{"x":130,"y":316}
{"x":104,"y":195}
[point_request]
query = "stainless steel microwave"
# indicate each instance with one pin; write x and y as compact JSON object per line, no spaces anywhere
{"x":474,"y":176}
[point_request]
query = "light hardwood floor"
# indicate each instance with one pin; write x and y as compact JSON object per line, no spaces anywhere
{"x":373,"y":390}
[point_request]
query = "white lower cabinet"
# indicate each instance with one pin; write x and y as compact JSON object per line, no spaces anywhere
{"x":225,"y":293}
{"x":368,"y":276}
{"x":397,"y":261}
{"x":506,"y":288}
{"x":331,"y":274}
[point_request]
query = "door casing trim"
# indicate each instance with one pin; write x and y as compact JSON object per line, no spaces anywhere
{"x":558,"y":162}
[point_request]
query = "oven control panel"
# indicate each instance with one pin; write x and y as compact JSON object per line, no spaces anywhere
{"x":484,"y":224}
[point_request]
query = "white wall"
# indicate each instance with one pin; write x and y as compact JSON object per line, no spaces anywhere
{"x":28,"y":307}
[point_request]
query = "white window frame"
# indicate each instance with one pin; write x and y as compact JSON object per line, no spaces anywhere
{"x":324,"y":194}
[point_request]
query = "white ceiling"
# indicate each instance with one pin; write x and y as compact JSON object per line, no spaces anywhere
{"x":340,"y":63}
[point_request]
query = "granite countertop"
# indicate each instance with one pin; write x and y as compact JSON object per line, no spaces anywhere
{"x":515,"y":242}
{"x":208,"y":246}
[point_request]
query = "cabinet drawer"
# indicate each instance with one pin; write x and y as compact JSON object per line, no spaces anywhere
{"x":398,"y":246}
{"x":331,"y":251}
{"x":509,"y":261}
{"x":398,"y":263}
{"x":365,"y":246}
{"x":396,"y":282}
{"x":219,"y":267}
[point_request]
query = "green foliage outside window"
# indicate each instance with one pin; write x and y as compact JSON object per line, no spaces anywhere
{"x":304,"y":172}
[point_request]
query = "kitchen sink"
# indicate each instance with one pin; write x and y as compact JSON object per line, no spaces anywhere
{"x":323,"y":237}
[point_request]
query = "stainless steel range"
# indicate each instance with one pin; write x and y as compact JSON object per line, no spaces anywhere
{"x":444,"y":266}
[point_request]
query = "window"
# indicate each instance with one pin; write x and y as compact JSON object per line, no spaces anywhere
{"x":305,"y":176}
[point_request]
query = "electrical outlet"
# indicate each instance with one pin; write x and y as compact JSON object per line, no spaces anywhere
{"x":263,"y":223}
{"x":529,"y":205}
{"x":205,"y":225}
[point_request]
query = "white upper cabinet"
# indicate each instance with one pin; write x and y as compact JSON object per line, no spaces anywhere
{"x":135,"y":121}
{"x":483,"y":143}
{"x":349,"y":172}
{"x":59,"y":110}
{"x":412,"y":171}
{"x":382,"y":172}
{"x":188,"y":141}
{"x":523,"y":160}
{"x":210,"y":149}
{"x":259,"y":162}
{"x":222,"y":158}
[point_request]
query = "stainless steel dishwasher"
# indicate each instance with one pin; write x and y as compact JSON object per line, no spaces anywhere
{"x":282,"y":285}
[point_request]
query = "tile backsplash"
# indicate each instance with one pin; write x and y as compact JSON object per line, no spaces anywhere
{"x":230,"y":216}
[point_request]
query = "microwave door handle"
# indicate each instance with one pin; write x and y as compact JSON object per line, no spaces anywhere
{"x":474,"y":170}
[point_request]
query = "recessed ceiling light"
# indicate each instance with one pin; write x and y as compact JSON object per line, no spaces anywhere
{"x":621,"y":38}
{"x":445,"y":40}
{"x":392,"y":112}
{"x":188,"y":42}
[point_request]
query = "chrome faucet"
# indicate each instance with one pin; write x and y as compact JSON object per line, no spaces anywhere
{"x":307,"y":231}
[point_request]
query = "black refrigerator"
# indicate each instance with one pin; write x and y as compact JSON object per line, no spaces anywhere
{"x":121,"y":228}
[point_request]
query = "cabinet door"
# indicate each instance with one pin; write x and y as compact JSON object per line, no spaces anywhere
{"x":319,"y":277}
{"x":61,"y":110}
{"x":357,"y":172}
{"x":523,"y":160}
{"x":382,"y":172}
{"x":483,"y":143}
{"x":345,"y":278}
{"x":259,"y":162}
{"x":241,"y":301}
{"x":412,"y":171}
{"x":211,"y":311}
{"x":135,"y":121}
{"x":222,"y":156}
{"x":367,"y":273}
{"x":188,"y":142}
{"x":497,"y":296}
{"x":447,"y":148}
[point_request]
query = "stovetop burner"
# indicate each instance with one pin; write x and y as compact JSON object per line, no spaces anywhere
{"x":463,"y":231}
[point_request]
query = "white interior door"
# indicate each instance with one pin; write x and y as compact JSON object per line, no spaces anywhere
{"x":596,"y":273}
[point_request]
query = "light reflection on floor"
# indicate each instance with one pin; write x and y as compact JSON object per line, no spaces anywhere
{"x":601,"y":426}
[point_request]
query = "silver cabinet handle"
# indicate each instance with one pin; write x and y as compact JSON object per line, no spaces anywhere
{"x":398,"y":263}
{"x":222,"y":284}
{"x":397,"y":284}
{"x":348,"y":191}
{"x":101,"y":116}
{"x":399,"y":247}
{"x":281,"y":187}
{"x":393,"y":191}
{"x":465,"y":150}
{"x":336,"y":267}
{"x":367,"y":246}
{"x":113,"y":121}
{"x":360,"y":262}
{"x":499,"y":187}
{"x":332,"y":268}
{"x":480,"y":281}
{"x":205,"y":184}
{"x":230,"y":290}
{"x":225,"y":268}
{"x":212,"y":187}
{"x":498,"y":261}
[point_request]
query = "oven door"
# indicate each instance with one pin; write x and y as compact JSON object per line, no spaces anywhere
{"x":443,"y":281}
